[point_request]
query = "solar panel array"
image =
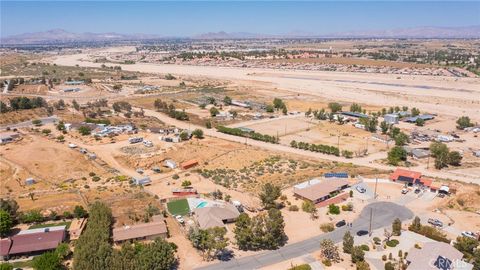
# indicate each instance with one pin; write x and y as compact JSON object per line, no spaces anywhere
{"x":336,"y":175}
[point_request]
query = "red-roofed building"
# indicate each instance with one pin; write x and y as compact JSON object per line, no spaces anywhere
{"x":406,"y":176}
{"x":31,"y":243}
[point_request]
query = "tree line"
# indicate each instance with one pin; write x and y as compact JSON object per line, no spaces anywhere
{"x":321,"y":148}
{"x":170,"y":109}
{"x":22,"y":103}
{"x":252,"y":135}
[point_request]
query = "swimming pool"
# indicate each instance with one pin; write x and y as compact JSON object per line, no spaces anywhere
{"x":201,"y":205}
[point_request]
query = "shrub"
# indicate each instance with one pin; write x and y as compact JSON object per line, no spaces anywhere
{"x":389,"y":266}
{"x":327,"y":262}
{"x":417,"y":246}
{"x":333,"y":209}
{"x":377,"y":240}
{"x":175,"y":176}
{"x":327,"y":227}
{"x":301,"y":267}
{"x":393,"y":243}
{"x":384,"y":257}
{"x":293,"y":208}
{"x":365,"y":248}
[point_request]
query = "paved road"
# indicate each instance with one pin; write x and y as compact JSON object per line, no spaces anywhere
{"x":45,"y":120}
{"x":383,"y":215}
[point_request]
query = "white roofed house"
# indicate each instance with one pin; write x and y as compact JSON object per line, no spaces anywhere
{"x":436,"y":256}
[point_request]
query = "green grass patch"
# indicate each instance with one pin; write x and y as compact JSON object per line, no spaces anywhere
{"x":178,"y":207}
{"x":38,"y":226}
{"x":22,"y":264}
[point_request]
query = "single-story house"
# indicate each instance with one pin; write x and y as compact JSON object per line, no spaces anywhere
{"x":142,"y":180}
{"x":216,"y":216}
{"x":170,"y":164}
{"x":145,"y":231}
{"x":189,"y":164}
{"x":354,"y":114}
{"x":30,"y":242}
{"x":381,"y":138}
{"x":7,"y":137}
{"x":424,"y":117}
{"x":321,"y":191}
{"x":391,"y":118}
{"x":436,"y":256}
{"x":417,"y":153}
{"x":402,"y":175}
{"x":76,"y":228}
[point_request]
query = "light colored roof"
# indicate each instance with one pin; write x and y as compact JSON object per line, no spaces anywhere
{"x":209,"y":217}
{"x":308,"y":183}
{"x":139,"y":231}
{"x":76,"y":228}
{"x":321,"y":190}
{"x":424,"y":259}
{"x":41,"y":230}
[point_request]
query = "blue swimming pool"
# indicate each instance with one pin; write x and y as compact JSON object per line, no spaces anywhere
{"x":202,"y":204}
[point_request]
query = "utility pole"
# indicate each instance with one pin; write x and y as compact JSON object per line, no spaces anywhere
{"x":338,"y":141}
{"x":371,"y":218}
{"x":428,"y":160}
{"x":375,"y":194}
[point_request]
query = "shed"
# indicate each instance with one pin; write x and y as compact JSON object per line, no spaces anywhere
{"x":170,"y":164}
{"x":391,"y":118}
{"x":29,"y":181}
{"x":189,"y":164}
{"x":144,"y":181}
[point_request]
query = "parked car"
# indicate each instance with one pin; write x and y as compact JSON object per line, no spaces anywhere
{"x":72,"y":145}
{"x":362,"y":232}
{"x":469,"y":234}
{"x":180,"y":219}
{"x":147,"y":143}
{"x":361,"y":189}
{"x":435,"y":222}
{"x":417,"y":191}
{"x":341,"y":223}
{"x":404,"y":191}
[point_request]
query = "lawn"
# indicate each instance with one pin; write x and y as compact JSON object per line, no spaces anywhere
{"x":38,"y":226}
{"x":178,"y":207}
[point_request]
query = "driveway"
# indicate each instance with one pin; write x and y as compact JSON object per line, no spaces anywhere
{"x":367,"y":195}
{"x":383,"y":215}
{"x":45,"y":120}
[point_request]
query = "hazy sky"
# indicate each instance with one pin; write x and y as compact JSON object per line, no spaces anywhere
{"x":190,"y":18}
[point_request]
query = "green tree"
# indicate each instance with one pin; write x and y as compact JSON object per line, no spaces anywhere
{"x":309,"y":207}
{"x":274,"y":234}
{"x":208,"y":124}
{"x":75,"y":105}
{"x":419,"y":122}
{"x":10,"y":206}
{"x":269,"y":108}
{"x":214,"y":111}
{"x":454,"y":158}
{"x":396,"y":154}
{"x":466,"y":245}
{"x":227,"y":100}
{"x":334,"y":107}
{"x":6,"y":223}
{"x":93,"y":250}
{"x":401,"y":139}
{"x":184,"y":136}
{"x":355,"y":108}
{"x":278,"y":103}
{"x":464,"y":122}
{"x":384,"y":127}
{"x":243,"y":232}
{"x":415,"y":112}
{"x":389,"y":266}
{"x":79,"y":212}
{"x":348,"y":242}
{"x":198,"y":133}
{"x":47,"y":261}
{"x":397,"y":227}
{"x":84,"y":130}
{"x":210,"y":241}
{"x":416,"y":225}
{"x":158,"y":255}
{"x":440,"y":153}
{"x":269,"y":194}
{"x":358,"y":254}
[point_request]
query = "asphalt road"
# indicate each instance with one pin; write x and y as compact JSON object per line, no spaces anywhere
{"x":45,"y":120}
{"x":383,"y":215}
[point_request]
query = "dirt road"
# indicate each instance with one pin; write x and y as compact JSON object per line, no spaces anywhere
{"x":367,"y":161}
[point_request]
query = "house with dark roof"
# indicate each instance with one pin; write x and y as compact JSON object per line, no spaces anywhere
{"x":31,"y":242}
{"x":436,"y":256}
{"x":144,"y":231}
{"x":322,"y":191}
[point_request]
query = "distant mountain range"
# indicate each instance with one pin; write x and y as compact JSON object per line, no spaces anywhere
{"x":62,"y":36}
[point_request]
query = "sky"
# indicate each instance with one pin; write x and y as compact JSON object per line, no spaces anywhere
{"x":184,"y":18}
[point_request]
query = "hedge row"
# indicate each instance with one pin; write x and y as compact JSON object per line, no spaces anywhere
{"x":252,"y":135}
{"x":321,"y":148}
